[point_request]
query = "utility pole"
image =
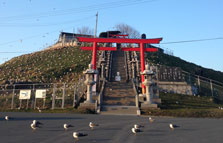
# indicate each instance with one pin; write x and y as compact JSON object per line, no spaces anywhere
{"x":96,"y":26}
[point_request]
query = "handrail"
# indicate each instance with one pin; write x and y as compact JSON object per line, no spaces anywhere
{"x":137,"y":95}
{"x":203,"y":77}
{"x":126,"y":67}
{"x":110,"y":66}
{"x":100,"y":96}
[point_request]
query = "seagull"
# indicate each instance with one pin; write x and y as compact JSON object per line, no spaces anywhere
{"x":138,"y":126}
{"x":92,"y":125}
{"x":66,"y":126}
{"x":76,"y":135}
{"x":151,"y":119}
{"x":134,"y":130}
{"x":39,"y":109}
{"x":6,"y":118}
{"x":172,"y":126}
{"x":37,"y":123}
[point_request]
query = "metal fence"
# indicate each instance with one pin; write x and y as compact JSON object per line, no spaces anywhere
{"x":205,"y":86}
{"x":58,"y":96}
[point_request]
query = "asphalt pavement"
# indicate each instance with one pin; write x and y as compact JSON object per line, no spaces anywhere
{"x":111,"y":129}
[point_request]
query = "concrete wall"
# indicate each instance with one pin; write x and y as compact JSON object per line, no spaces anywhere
{"x":177,"y":87}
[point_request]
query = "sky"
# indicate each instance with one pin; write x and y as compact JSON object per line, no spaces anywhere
{"x":31,"y":25}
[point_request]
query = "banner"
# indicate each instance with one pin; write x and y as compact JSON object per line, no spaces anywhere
{"x":41,"y":93}
{"x":25,"y":94}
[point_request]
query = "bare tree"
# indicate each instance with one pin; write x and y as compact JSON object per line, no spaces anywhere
{"x":85,"y":30}
{"x":127,"y":29}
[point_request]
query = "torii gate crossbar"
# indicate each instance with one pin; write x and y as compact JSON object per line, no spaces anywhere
{"x":141,"y":49}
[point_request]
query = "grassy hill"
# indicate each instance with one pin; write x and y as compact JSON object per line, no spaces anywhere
{"x":59,"y":65}
{"x":164,"y":59}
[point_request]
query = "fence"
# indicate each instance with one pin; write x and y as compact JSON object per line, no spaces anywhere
{"x":57,"y":95}
{"x":205,"y":86}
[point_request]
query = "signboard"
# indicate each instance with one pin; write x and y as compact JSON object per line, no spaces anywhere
{"x":41,"y":93}
{"x":25,"y":94}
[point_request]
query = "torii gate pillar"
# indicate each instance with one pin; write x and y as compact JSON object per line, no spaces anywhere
{"x":94,"y":55}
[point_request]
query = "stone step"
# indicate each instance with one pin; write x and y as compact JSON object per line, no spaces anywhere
{"x":119,"y":110}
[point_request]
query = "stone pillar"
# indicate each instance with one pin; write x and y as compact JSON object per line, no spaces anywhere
{"x":89,"y":104}
{"x":102,"y":69}
{"x":148,"y":84}
{"x":133,"y":62}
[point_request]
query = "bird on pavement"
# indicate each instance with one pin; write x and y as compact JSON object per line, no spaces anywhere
{"x":138,"y":126}
{"x":35,"y":122}
{"x":92,"y":125}
{"x":135,"y":131}
{"x":76,"y":135}
{"x":172,"y":126}
{"x":34,"y":126}
{"x":66,"y":126}
{"x":151,"y":120}
{"x":6,"y":118}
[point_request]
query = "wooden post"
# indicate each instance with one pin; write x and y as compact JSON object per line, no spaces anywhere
{"x":212,"y":94}
{"x":20,"y":103}
{"x":27,"y":104}
{"x":44,"y":103}
{"x":199,"y":83}
{"x":75,"y":92}
{"x":53,"y":96}
{"x":63,"y":98}
{"x":157,"y":80}
{"x":13,"y":96}
{"x":34,"y":94}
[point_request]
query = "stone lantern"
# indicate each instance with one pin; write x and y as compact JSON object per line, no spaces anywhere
{"x":89,"y":82}
{"x":148,"y":74}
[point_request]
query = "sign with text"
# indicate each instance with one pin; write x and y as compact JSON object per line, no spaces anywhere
{"x":41,"y":93}
{"x":25,"y":94}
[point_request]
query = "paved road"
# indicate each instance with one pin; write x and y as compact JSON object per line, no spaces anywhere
{"x":112,"y":129}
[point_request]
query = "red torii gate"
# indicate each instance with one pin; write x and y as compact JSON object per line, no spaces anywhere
{"x":140,"y":49}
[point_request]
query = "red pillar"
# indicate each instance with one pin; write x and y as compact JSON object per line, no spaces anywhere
{"x":142,"y":58}
{"x":94,"y":56}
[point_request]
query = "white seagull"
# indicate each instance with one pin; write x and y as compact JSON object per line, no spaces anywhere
{"x":35,"y":122}
{"x":172,"y":126}
{"x":151,"y":119}
{"x":76,"y":135}
{"x":6,"y":118}
{"x":34,"y":126}
{"x":66,"y":126}
{"x":138,"y":126}
{"x":92,"y":125}
{"x":134,"y":130}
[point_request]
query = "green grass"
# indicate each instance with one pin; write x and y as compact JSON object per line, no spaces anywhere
{"x":68,"y":110}
{"x":172,"y":61}
{"x":59,"y":65}
{"x":177,"y":105}
{"x":178,"y":101}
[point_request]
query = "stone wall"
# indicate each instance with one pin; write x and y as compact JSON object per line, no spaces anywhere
{"x":177,"y":87}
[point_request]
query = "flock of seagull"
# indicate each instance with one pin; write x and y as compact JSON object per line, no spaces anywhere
{"x":76,"y":135}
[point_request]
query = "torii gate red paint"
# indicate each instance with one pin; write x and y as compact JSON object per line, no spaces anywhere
{"x":141,"y":49}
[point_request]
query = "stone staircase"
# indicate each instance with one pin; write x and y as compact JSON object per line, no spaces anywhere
{"x":119,"y":96}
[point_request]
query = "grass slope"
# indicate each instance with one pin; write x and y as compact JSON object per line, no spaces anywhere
{"x":60,"y":65}
{"x":186,"y":106}
{"x":172,"y":61}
